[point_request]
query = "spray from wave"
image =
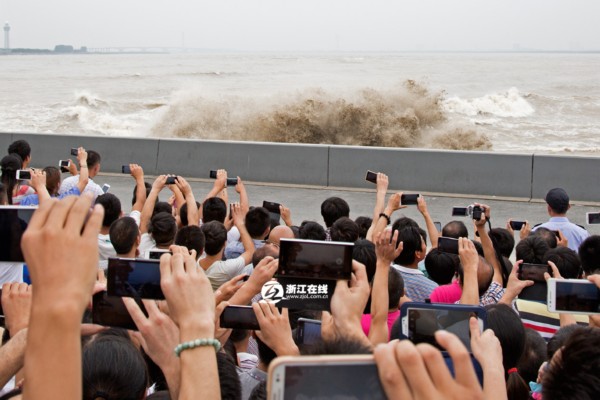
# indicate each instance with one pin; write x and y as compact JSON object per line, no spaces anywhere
{"x":408,"y":115}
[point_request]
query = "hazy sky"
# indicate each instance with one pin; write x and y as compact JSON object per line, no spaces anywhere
{"x":307,"y":25}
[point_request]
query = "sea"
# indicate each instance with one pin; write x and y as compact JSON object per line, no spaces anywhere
{"x":544,"y":103}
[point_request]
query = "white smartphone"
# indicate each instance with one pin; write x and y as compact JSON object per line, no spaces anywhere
{"x":573,"y":296}
{"x":593,"y":218}
{"x":105,"y":188}
{"x":64,"y":163}
{"x":324,"y":377}
{"x":23,"y":174}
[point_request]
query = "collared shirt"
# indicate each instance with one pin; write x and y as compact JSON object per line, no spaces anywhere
{"x":574,"y":233}
{"x":416,"y":285}
{"x":72,"y":181}
{"x":34,"y":200}
{"x":492,"y":295}
{"x":250,"y":379}
{"x":236,"y":249}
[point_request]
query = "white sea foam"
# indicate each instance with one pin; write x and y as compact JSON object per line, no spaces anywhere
{"x":503,"y":104}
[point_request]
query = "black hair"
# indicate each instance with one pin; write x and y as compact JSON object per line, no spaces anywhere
{"x":214,"y":209}
{"x":504,"y":242}
{"x":3,"y":196}
{"x":123,"y":234}
{"x":148,"y":189}
{"x":455,"y":229}
{"x":405,"y":222}
{"x":258,"y":221}
{"x":183,"y":213}
{"x":9,"y":165}
{"x":509,"y":330}
{"x":113,"y":368}
{"x":112,"y":208}
{"x":265,"y":353}
{"x":483,"y":285}
{"x":93,"y":158}
{"x":364,"y":252}
{"x":395,"y":288}
{"x":560,"y":338}
{"x":566,"y":260}
{"x":364,"y":224}
{"x":192,"y":238}
{"x":533,"y":356}
{"x":259,"y":392}
{"x":589,"y":254}
{"x":312,"y":230}
{"x":441,"y":266}
{"x":548,"y":236}
{"x":532,"y":250}
{"x":163,"y":228}
{"x":344,"y":230}
{"x":574,"y":373}
{"x":20,"y":147}
{"x":229,"y":380}
{"x":162,"y":206}
{"x":264,"y":251}
{"x":341,"y":345}
{"x":52,"y":180}
{"x":215,"y":236}
{"x":413,"y":241}
{"x":334,"y":208}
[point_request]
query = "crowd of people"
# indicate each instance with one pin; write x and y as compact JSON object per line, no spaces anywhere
{"x":222,"y":251}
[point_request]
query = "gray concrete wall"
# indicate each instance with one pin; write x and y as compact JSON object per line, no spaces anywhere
{"x":454,"y":172}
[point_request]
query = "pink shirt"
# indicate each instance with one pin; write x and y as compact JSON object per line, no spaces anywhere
{"x":366,"y":322}
{"x":448,"y":294}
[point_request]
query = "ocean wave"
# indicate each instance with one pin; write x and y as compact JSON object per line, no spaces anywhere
{"x":501,"y":104}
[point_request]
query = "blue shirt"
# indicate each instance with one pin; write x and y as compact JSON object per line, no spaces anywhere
{"x":33,"y":199}
{"x":574,"y":233}
{"x":416,"y":285}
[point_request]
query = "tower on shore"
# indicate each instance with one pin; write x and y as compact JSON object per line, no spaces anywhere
{"x":6,"y":36}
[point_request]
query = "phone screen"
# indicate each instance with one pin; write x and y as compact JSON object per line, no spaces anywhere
{"x":593,"y":218}
{"x":309,"y":331}
{"x":579,"y":296}
{"x":517,"y":225}
{"x":232,"y":181}
{"x":111,"y":311}
{"x":533,"y":272}
{"x":65,"y":163}
{"x":155,"y":254}
{"x":125,"y":169}
{"x":74,"y":151}
{"x":460,"y":211}
{"x":239,"y":317}
{"x":23,"y":174}
{"x":315,"y":259}
{"x":438,"y":226}
{"x":134,"y":278}
{"x":212,"y":174}
{"x":448,"y":245}
{"x":371,"y":177}
{"x":409,"y":199}
{"x":13,"y":223}
{"x":105,"y":188}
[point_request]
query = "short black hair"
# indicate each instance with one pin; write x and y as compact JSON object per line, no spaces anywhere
{"x":258,"y":221}
{"x":20,"y":147}
{"x":229,"y":380}
{"x":163,"y":228}
{"x":413,"y":241}
{"x":162,"y":206}
{"x":364,"y":252}
{"x":215,"y":236}
{"x":93,"y":158}
{"x":559,"y":339}
{"x":265,"y":353}
{"x":192,"y":238}
{"x":533,"y":356}
{"x":264,"y":251}
{"x":441,"y":266}
{"x":364,"y":224}
{"x":334,"y":208}
{"x":148,"y":189}
{"x":504,"y":241}
{"x":546,"y":234}
{"x":532,"y":250}
{"x":214,"y":209}
{"x":311,"y":230}
{"x":123,"y":234}
{"x":344,"y":230}
{"x":183,"y":213}
{"x":395,"y":288}
{"x":406,"y":222}
{"x":455,"y":229}
{"x":589,"y":254}
{"x":566,"y":260}
{"x":112,"y":208}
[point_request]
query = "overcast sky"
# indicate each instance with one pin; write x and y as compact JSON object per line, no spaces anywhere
{"x":307,"y":25}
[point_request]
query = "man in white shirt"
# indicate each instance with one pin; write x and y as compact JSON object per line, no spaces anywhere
{"x":93,"y":166}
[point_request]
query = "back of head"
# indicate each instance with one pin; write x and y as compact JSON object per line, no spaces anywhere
{"x":265,"y":353}
{"x":20,"y":147}
{"x":558,"y":200}
{"x":192,"y":237}
{"x":258,"y":222}
{"x":183,"y":213}
{"x":52,"y":180}
{"x":215,"y":236}
{"x":9,"y":166}
{"x":112,"y":208}
{"x":93,"y":159}
{"x":123,"y":234}
{"x":532,"y":250}
{"x":559,"y":339}
{"x":413,"y":241}
{"x":162,"y":206}
{"x":339,"y":346}
{"x":280,"y":232}
{"x":113,"y":368}
{"x":228,"y":377}
{"x":344,"y":230}
{"x":163,"y":228}
{"x":404,"y":222}
{"x":148,"y":189}
{"x":364,"y":223}
{"x":334,"y":208}
{"x":395,"y":288}
{"x":573,"y":374}
{"x":455,"y":229}
{"x":441,"y":266}
{"x":566,"y":260}
{"x":214,"y":209}
{"x":533,"y":356}
{"x":504,"y":241}
{"x":485,"y":274}
{"x":268,"y":250}
{"x":546,"y":234}
{"x":589,"y":254}
{"x":311,"y":230}
{"x":363,"y":251}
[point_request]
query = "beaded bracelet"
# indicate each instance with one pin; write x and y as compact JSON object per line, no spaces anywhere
{"x":192,"y":344}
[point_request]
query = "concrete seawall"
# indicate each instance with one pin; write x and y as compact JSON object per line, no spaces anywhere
{"x":517,"y":176}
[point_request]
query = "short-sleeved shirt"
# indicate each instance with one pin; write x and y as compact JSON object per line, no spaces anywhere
{"x":448,"y":294}
{"x":222,"y":271}
{"x":72,"y":181}
{"x":416,"y":285}
{"x":574,"y":233}
{"x":34,"y":200}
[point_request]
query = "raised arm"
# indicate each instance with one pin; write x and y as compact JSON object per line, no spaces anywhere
{"x":190,"y":200}
{"x":488,"y":247}
{"x":382,"y":187}
{"x":137,"y":172}
{"x":38,"y":182}
{"x":431,"y":229}
{"x":219,"y":185}
{"x":238,"y":220}
{"x":84,"y":174}
{"x":469,"y":260}
{"x":385,"y":218}
{"x":240,"y":188}
{"x":262,"y":273}
{"x":148,"y":208}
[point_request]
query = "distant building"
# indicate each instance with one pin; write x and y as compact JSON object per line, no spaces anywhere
{"x":63,"y":48}
{"x":6,"y":36}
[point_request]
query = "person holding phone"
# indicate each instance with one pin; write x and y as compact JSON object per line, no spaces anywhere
{"x":15,"y":191}
{"x":92,"y":164}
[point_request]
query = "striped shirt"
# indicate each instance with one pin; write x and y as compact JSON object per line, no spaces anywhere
{"x":535,"y":315}
{"x":416,"y":286}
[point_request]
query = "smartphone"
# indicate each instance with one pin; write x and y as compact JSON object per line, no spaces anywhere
{"x":273,"y":209}
{"x":111,"y":311}
{"x":593,"y":218}
{"x":13,"y":223}
{"x":308,"y":332}
{"x":448,"y":245}
{"x":105,"y":188}
{"x":230,"y":181}
{"x":516,"y":225}
{"x":409,"y":199}
{"x":371,"y":176}
{"x":74,"y":151}
{"x":477,"y":212}
{"x":573,"y":296}
{"x":212,"y":174}
{"x":460,"y":211}
{"x":324,"y":377}
{"x":239,"y":317}
{"x":125,"y":169}
{"x":155,"y":254}
{"x":438,"y":226}
{"x":315,"y":259}
{"x":420,"y":321}
{"x":23,"y":174}
{"x":1,"y":310}
{"x":539,"y":290}
{"x":64,"y":163}
{"x":171,"y":180}
{"x":129,"y":277}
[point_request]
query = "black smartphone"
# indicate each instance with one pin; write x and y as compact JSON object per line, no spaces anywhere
{"x":315,"y":259}
{"x":212,"y":174}
{"x":13,"y":223}
{"x":371,"y":176}
{"x":460,"y":211}
{"x":239,"y":317}
{"x":74,"y":151}
{"x":125,"y":169}
{"x":409,"y":199}
{"x":111,"y":311}
{"x":155,"y":254}
{"x":308,"y":331}
{"x":1,"y":311}
{"x":273,"y":209}
{"x":448,"y":245}
{"x":438,"y":226}
{"x":516,"y":225}
{"x":64,"y":165}
{"x":230,"y":181}
{"x":128,"y":277}
{"x":539,"y":290}
{"x":23,"y":175}
{"x":171,"y":180}
{"x":477,"y":213}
